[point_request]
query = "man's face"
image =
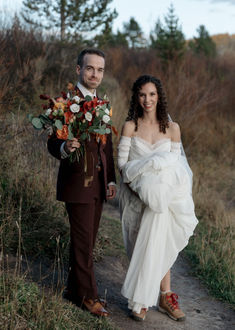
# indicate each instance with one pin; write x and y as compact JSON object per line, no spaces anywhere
{"x":92,"y":71}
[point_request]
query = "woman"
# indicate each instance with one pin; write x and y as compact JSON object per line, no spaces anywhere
{"x":156,"y":205}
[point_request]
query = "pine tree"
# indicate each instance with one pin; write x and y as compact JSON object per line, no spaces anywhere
{"x":109,"y":39}
{"x":134,"y":34}
{"x":168,"y":40}
{"x":71,"y":16}
{"x":203,"y":44}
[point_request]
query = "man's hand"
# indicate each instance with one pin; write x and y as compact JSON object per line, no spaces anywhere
{"x":111,"y":191}
{"x":71,"y":145}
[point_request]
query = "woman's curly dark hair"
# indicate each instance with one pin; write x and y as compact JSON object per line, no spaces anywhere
{"x":136,"y":111}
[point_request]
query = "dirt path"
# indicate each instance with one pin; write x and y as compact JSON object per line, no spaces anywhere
{"x":202,"y":311}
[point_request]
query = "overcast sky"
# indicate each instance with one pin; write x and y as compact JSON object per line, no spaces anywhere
{"x":217,"y":15}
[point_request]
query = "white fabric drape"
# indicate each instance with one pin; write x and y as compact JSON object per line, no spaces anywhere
{"x":157,"y":214}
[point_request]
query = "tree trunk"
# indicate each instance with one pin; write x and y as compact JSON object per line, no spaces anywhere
{"x":62,"y":19}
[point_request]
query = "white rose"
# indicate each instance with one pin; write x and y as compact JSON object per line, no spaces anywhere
{"x":48,"y":112}
{"x":88,"y":116}
{"x":75,"y":108}
{"x":76,"y":99}
{"x":105,"y":97}
{"x":106,"y":119}
{"x":106,"y":111}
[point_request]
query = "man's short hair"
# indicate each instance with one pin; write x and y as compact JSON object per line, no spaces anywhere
{"x":89,"y":51}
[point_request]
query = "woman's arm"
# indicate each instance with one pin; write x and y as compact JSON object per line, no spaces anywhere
{"x":175,"y":137}
{"x":128,"y":129}
{"x":125,"y":143}
{"x":174,"y":132}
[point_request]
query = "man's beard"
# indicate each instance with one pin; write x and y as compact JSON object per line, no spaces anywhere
{"x":92,"y":84}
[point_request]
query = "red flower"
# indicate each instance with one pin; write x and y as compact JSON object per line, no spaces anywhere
{"x":61,"y":99}
{"x":64,"y":95}
{"x":68,"y":115}
{"x":88,"y":105}
{"x":44,"y":97}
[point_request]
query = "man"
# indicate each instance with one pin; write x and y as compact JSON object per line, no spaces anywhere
{"x":84,"y":191}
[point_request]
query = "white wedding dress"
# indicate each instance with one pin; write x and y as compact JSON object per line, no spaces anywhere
{"x":157,"y":218}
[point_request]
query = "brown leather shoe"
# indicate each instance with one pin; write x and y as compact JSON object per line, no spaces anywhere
{"x":95,"y":307}
{"x":103,"y":302}
{"x":169,"y":305}
{"x":68,"y":296}
{"x":140,"y":316}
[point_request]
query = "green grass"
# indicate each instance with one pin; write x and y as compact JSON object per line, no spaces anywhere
{"x":109,"y":240}
{"x":212,"y":256}
{"x":24,"y":305}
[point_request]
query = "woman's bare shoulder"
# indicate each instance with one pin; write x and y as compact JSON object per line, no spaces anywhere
{"x":128,"y":128}
{"x":174,"y":130}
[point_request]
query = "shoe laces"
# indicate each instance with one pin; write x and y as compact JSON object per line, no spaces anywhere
{"x":172,"y":299}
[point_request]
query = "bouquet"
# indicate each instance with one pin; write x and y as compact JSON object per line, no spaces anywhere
{"x":70,"y":116}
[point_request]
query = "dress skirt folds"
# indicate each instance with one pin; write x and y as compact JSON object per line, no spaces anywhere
{"x":158,"y":218}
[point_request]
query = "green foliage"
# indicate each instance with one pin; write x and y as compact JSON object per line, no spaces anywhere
{"x":110,"y":239}
{"x":203,"y":44}
{"x":37,"y":123}
{"x":134,"y":34}
{"x":72,"y":17}
{"x":42,"y":120}
{"x":88,"y":98}
{"x":71,"y":135}
{"x":207,"y":251}
{"x":109,"y":39}
{"x":58,"y":124}
{"x":168,"y":40}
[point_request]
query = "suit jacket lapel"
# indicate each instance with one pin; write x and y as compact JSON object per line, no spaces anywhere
{"x":79,"y":93}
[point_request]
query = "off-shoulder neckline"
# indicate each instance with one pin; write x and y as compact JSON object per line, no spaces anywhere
{"x":159,"y":141}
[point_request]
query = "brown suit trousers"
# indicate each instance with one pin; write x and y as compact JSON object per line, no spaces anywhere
{"x":84,"y":221}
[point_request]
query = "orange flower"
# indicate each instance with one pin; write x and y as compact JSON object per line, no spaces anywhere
{"x":59,"y":105}
{"x":68,"y":115}
{"x":59,"y":100}
{"x":62,"y":133}
{"x":103,"y":138}
{"x":111,"y":112}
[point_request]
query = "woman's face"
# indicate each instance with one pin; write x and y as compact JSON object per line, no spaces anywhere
{"x":148,"y":97}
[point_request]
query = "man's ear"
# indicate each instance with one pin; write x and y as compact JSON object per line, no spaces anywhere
{"x":78,"y":69}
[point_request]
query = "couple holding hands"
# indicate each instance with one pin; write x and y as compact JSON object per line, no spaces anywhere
{"x":156,"y":205}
